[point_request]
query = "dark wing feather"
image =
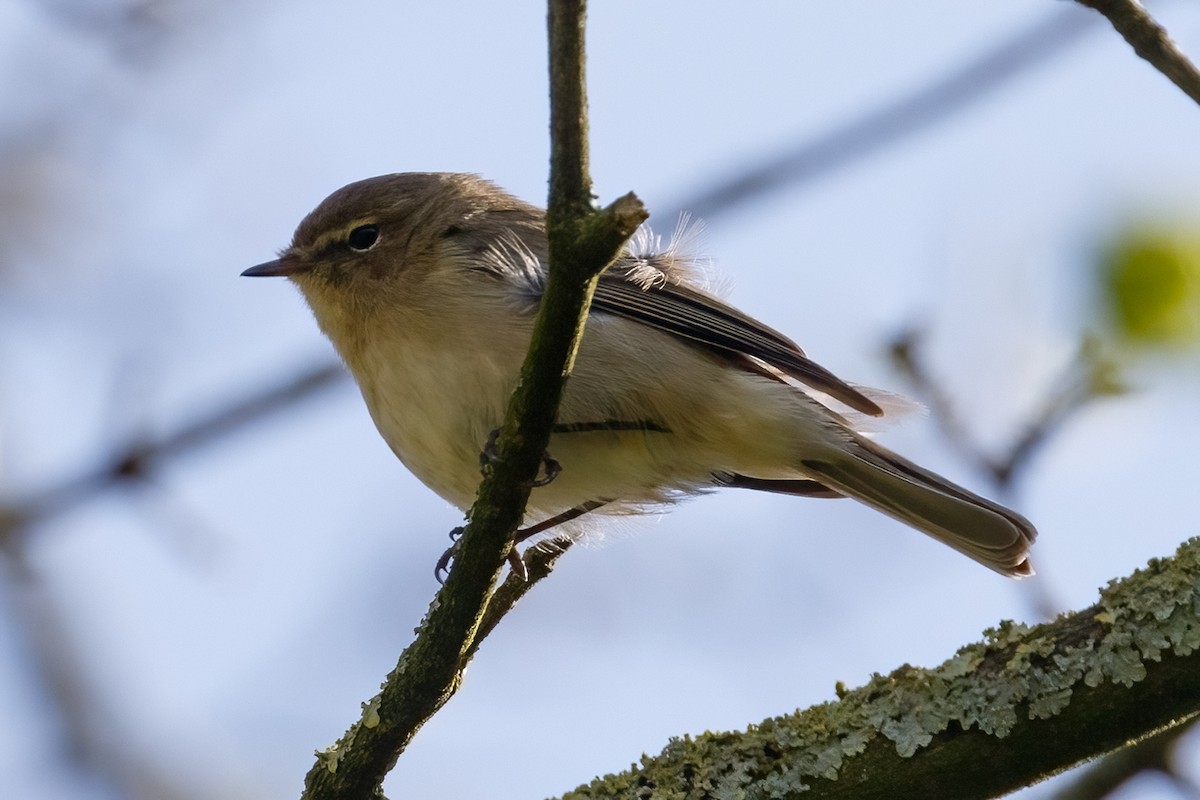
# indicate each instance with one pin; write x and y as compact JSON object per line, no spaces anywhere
{"x":706,"y":321}
{"x":797,"y":487}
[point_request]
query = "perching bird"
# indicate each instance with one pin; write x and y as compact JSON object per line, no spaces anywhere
{"x":428,"y":283}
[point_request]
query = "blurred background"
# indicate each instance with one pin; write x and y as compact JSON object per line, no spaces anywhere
{"x":210,"y":557}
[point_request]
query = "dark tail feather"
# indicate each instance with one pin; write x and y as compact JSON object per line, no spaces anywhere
{"x":985,"y":531}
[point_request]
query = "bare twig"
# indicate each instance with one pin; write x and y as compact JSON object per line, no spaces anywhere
{"x":539,"y":563}
{"x":1150,"y":41}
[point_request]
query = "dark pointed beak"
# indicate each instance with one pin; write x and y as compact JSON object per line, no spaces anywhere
{"x":285,"y":265}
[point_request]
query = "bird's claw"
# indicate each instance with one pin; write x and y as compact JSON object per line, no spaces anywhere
{"x":550,"y":470}
{"x":441,"y":570}
{"x":487,"y":457}
{"x":517,"y":564}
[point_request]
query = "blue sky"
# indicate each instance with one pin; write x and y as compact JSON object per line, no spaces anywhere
{"x":233,"y":614}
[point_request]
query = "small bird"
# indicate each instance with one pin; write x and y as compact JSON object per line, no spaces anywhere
{"x":428,"y":284}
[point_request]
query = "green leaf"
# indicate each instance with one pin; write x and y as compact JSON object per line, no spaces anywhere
{"x":1150,"y":283}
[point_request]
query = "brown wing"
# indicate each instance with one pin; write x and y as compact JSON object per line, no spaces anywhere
{"x":706,"y":321}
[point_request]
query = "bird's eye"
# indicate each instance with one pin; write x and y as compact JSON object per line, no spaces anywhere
{"x":363,"y":237}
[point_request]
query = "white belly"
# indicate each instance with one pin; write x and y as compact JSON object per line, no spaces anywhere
{"x":436,"y":404}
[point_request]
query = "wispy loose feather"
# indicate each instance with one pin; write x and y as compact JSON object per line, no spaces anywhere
{"x":649,"y":263}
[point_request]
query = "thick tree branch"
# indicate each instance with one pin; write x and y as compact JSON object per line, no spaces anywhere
{"x":1150,"y":41}
{"x":1001,"y":714}
{"x":582,"y":243}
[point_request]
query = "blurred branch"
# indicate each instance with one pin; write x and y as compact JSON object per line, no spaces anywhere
{"x":999,"y":715}
{"x":1150,"y":41}
{"x":64,"y":671}
{"x":1089,"y":375}
{"x":51,"y":659}
{"x":137,"y":459}
{"x":1155,"y":753}
{"x":582,"y":242}
{"x":133,"y":29}
{"x":57,"y":663}
{"x":890,"y":124}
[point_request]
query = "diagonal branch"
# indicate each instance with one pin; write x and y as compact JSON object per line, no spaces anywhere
{"x":539,"y":563}
{"x":139,"y":458}
{"x":582,"y":243}
{"x":894,"y":121}
{"x":1150,"y":41}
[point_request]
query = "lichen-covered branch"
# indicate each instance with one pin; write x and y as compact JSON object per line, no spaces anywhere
{"x":1023,"y":704}
{"x":1150,"y":41}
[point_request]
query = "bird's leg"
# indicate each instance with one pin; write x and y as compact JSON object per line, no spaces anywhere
{"x":558,"y":519}
{"x":515,"y":561}
{"x":550,"y":470}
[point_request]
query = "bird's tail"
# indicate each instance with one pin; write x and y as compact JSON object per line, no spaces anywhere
{"x":985,"y":531}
